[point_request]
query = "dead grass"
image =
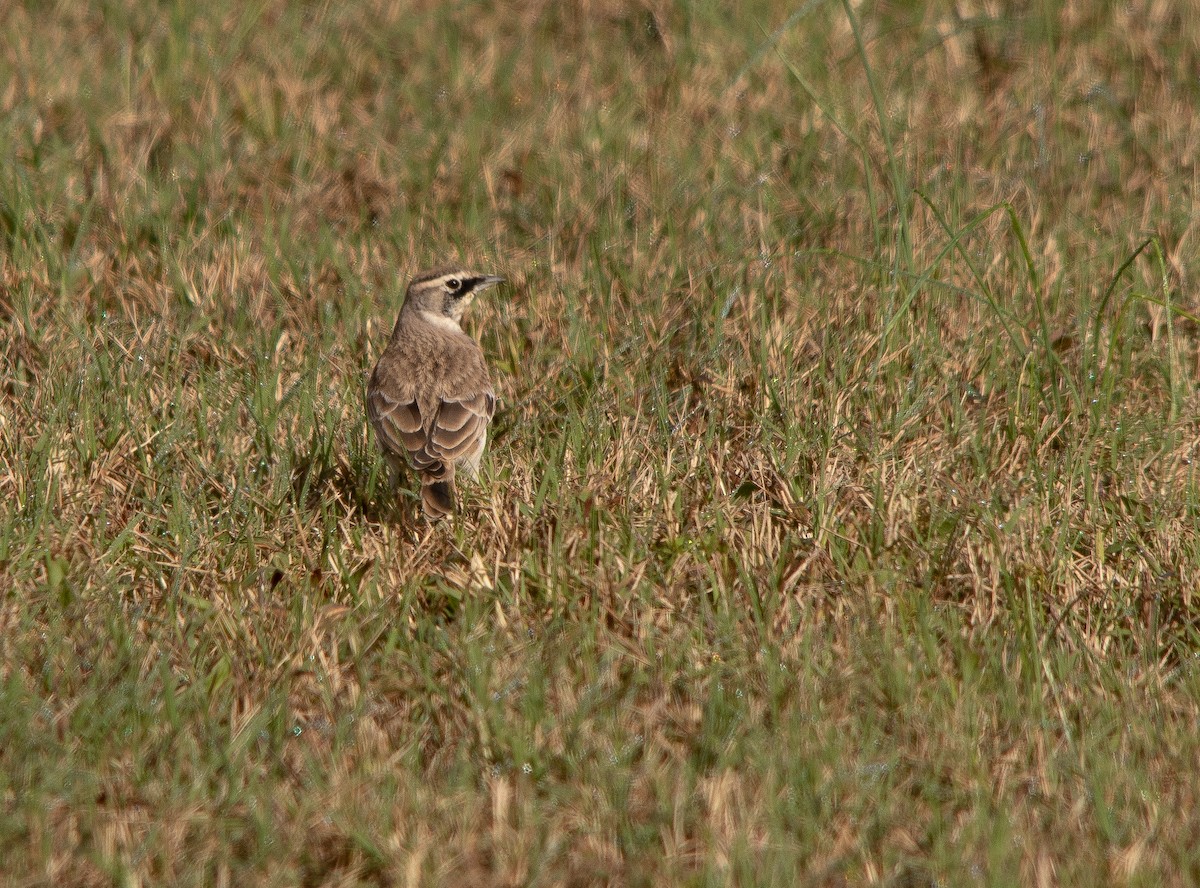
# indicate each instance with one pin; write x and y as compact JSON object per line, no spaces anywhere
{"x":840,"y":521}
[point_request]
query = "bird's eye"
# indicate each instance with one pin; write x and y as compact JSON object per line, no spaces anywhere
{"x":453,"y":284}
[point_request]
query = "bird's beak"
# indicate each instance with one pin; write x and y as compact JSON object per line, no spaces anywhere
{"x":489,"y":280}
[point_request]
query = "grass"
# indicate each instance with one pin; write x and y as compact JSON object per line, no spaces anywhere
{"x":840,"y":521}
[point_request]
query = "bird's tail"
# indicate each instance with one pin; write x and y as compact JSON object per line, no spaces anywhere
{"x":437,"y":493}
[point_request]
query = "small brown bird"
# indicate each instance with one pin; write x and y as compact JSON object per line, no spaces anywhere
{"x":430,"y":399}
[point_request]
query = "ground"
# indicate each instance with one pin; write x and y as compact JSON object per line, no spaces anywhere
{"x":839,"y":522}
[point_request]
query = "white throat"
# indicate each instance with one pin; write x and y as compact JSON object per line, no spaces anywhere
{"x":441,"y":321}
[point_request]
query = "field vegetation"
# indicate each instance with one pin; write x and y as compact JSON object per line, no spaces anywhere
{"x":839,"y":525}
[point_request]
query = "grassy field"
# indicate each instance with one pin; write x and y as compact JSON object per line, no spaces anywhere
{"x":839,"y":525}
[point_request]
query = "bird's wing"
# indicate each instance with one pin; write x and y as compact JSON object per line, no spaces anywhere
{"x":461,"y":424}
{"x":458,"y":425}
{"x":396,"y":419}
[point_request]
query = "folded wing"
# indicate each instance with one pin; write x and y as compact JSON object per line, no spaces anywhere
{"x":457,"y":430}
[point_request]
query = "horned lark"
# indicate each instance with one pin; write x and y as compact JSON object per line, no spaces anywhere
{"x":429,"y":398}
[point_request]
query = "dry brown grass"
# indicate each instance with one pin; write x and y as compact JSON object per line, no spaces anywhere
{"x":816,"y":546}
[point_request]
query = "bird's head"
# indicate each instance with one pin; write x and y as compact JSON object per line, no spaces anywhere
{"x":446,"y":292}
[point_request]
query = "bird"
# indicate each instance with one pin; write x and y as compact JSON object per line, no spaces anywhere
{"x":429,"y":398}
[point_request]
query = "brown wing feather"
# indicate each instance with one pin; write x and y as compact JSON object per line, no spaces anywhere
{"x":453,"y":415}
{"x":397,"y":423}
{"x":454,"y":444}
{"x":455,"y":432}
{"x":461,"y":424}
